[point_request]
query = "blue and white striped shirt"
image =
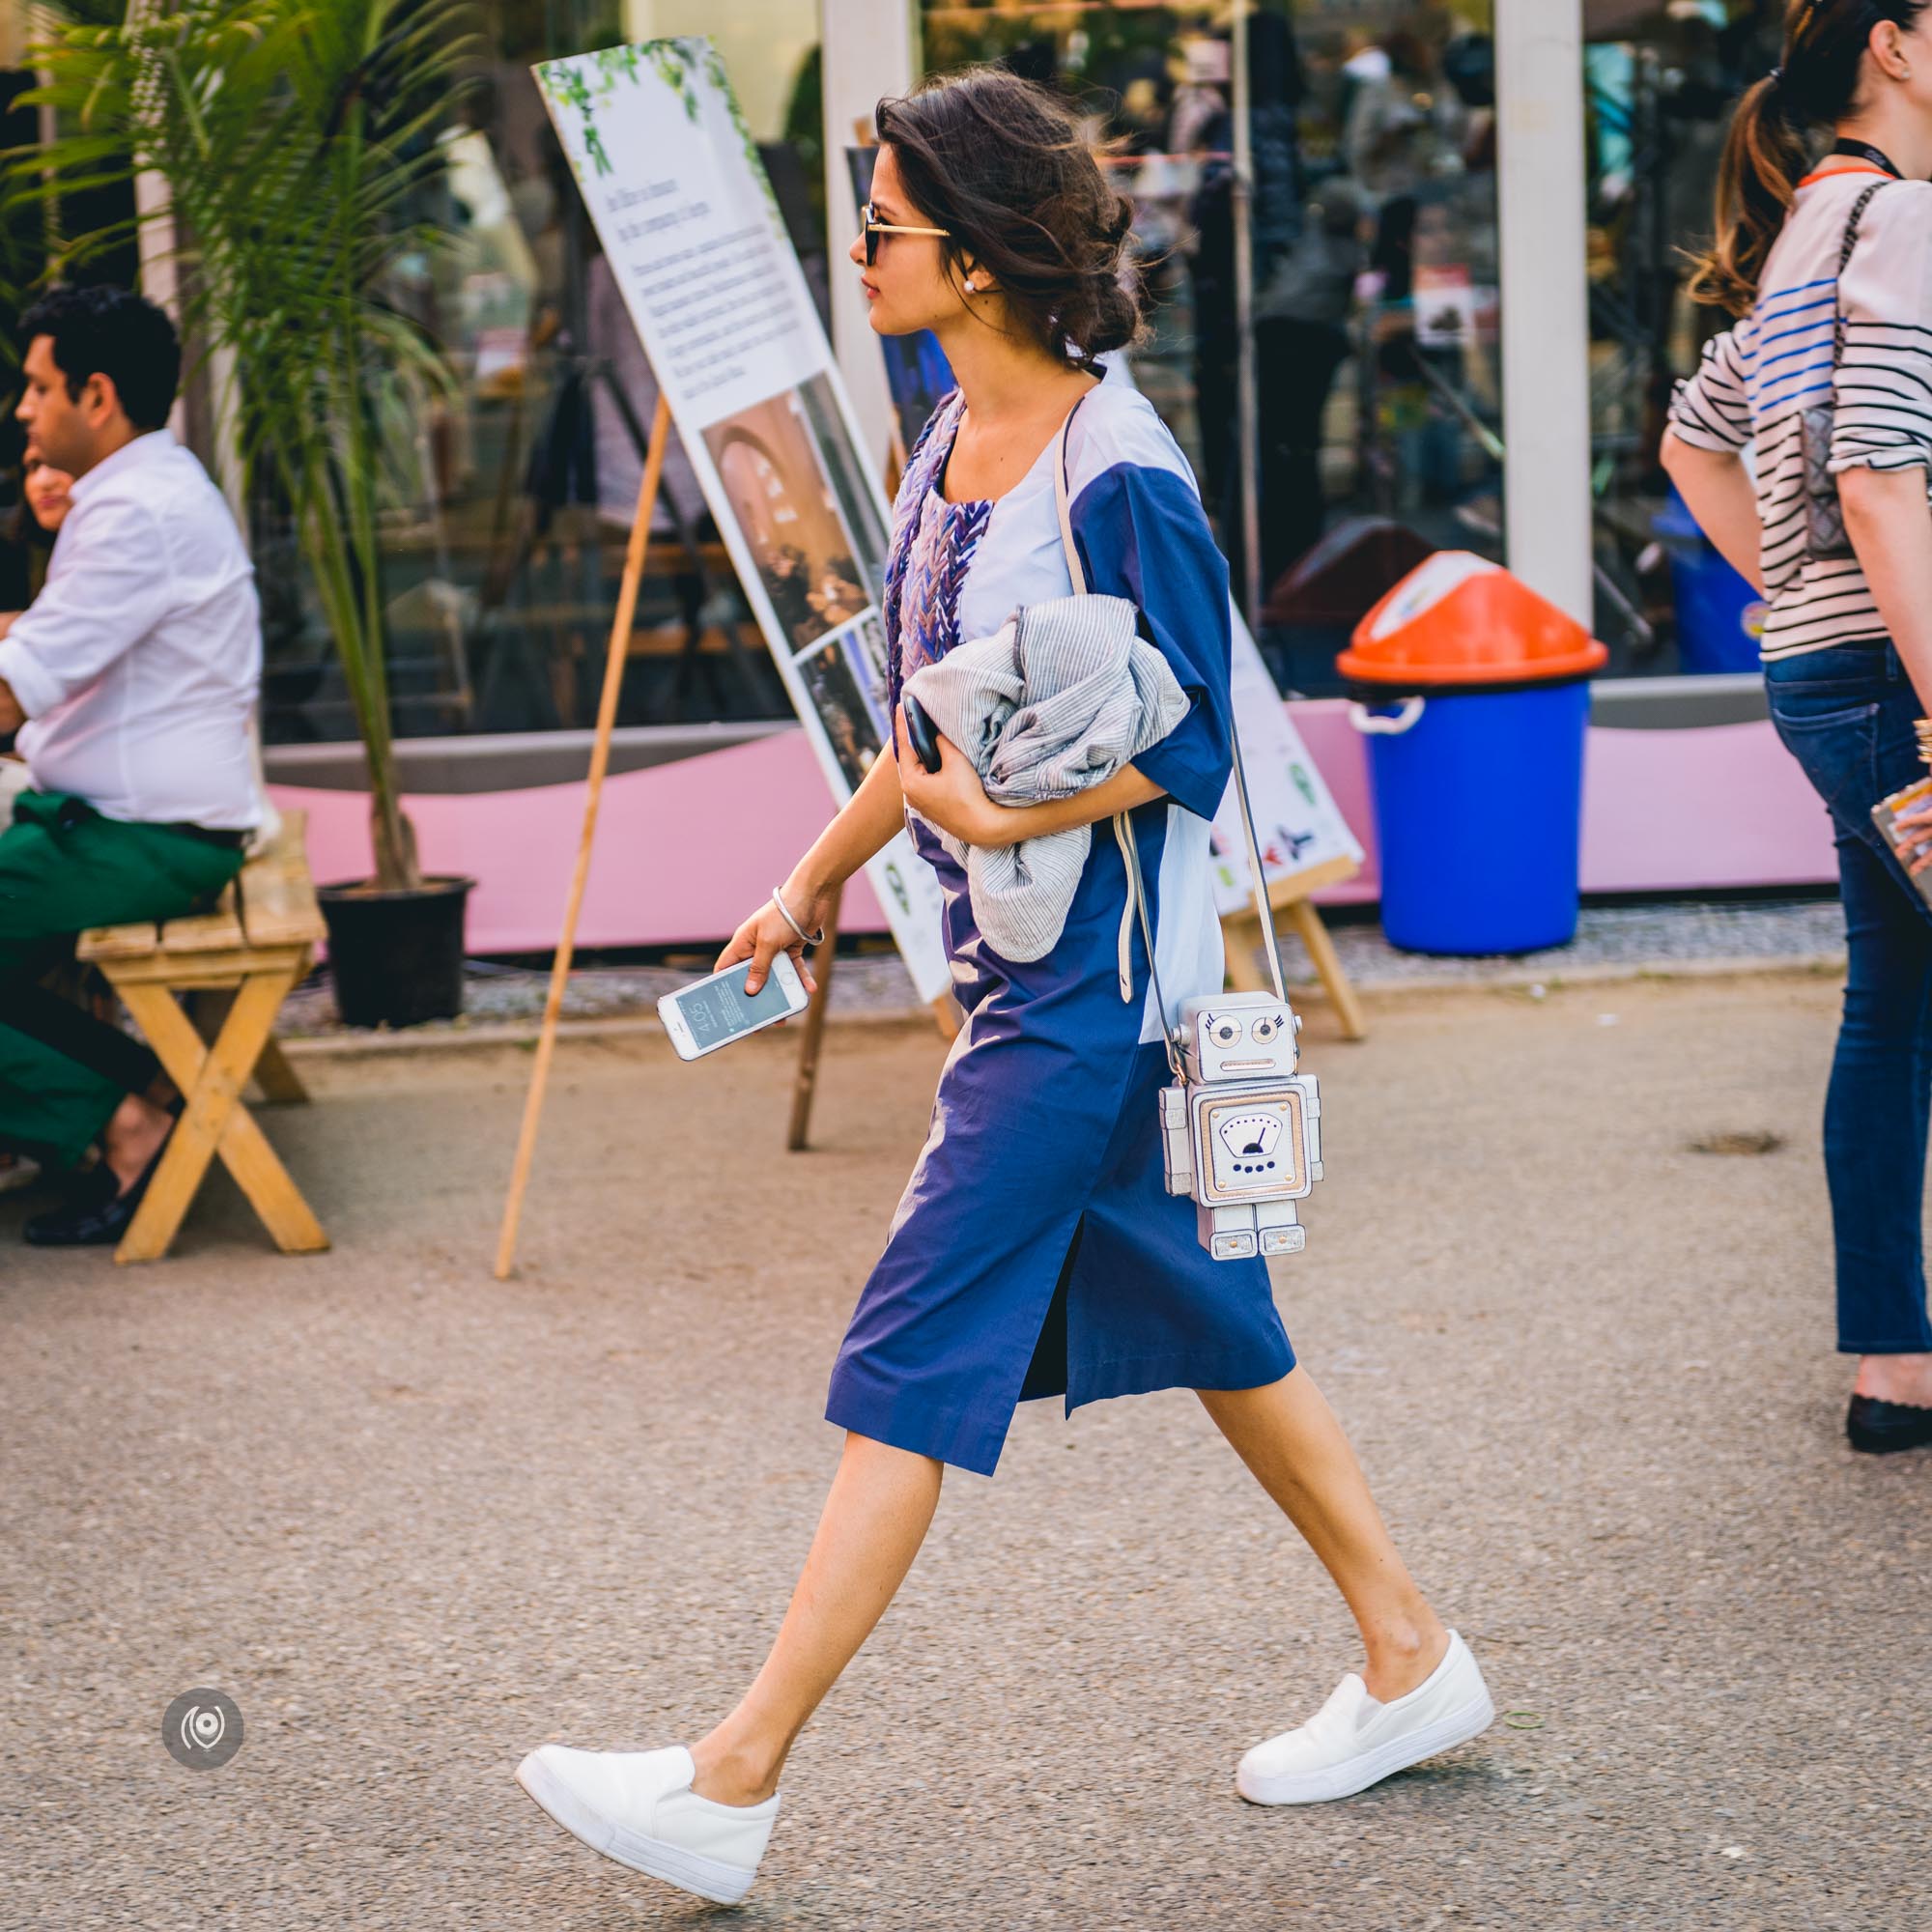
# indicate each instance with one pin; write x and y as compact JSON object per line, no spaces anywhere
{"x":1759,"y":378}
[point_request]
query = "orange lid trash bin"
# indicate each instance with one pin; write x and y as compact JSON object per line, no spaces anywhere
{"x":1478,"y":776}
{"x":1457,"y":622}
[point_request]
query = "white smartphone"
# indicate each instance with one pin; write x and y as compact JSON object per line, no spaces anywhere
{"x":714,"y":1011}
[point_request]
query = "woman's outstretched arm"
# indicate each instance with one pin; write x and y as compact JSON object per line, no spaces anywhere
{"x":862,"y":828}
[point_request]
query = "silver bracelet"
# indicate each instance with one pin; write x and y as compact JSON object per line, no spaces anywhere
{"x":810,"y":938}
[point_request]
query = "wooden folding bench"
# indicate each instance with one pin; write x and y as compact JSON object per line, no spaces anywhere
{"x":237,"y":965}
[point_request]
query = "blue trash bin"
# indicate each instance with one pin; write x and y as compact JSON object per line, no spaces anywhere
{"x":1476,"y":700}
{"x":1719,"y":615}
{"x":1478,"y":799}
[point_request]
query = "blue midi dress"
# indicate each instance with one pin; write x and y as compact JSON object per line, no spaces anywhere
{"x":1036,"y":1251}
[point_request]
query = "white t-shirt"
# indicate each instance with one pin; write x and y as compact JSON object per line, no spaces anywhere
{"x":1758,"y":380}
{"x":139,"y":663}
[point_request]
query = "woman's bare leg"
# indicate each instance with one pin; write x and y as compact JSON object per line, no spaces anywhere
{"x":1287,"y":1435}
{"x":874,"y":1520}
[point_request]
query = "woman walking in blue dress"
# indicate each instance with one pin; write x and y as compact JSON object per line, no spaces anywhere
{"x":1036,"y":1252}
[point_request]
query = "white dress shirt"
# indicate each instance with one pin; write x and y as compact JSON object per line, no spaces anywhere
{"x":139,"y":663}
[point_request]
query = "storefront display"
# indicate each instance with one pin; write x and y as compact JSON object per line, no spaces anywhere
{"x":1380,"y":375}
{"x":1374,"y":245}
{"x":1659,"y":84}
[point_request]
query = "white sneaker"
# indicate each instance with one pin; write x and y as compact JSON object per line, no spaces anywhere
{"x":1353,"y":1742}
{"x":638,"y":1808}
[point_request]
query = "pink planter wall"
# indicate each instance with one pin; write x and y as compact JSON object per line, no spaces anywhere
{"x":685,"y":850}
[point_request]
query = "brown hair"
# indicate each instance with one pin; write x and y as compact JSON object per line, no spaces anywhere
{"x":1768,"y":151}
{"x":1000,"y":161}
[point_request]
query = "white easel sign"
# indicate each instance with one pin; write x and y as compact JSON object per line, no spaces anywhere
{"x":1298,"y":824}
{"x":670,"y":176}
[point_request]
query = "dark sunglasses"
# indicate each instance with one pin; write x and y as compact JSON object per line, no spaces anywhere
{"x":874,"y":228}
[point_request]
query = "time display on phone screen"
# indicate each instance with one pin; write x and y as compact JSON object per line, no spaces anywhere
{"x":721,"y":1008}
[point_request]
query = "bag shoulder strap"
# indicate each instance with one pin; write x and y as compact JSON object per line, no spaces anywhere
{"x":1858,"y":214}
{"x":1060,"y":503}
{"x":1264,"y":912}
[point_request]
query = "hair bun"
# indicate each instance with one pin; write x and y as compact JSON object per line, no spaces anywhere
{"x":1001,"y":164}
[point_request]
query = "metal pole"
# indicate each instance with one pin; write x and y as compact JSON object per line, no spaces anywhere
{"x":1546,"y":311}
{"x":1247,"y":442}
{"x":870,"y":50}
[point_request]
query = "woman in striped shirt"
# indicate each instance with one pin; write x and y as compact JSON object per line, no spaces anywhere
{"x":1827,"y":376}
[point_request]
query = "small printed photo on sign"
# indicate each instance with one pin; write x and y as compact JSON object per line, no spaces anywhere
{"x":865,"y":649}
{"x":768,"y":461}
{"x":839,"y":696}
{"x":853,"y":484}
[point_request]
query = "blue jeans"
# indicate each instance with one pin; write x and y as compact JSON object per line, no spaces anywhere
{"x":1846,"y":715}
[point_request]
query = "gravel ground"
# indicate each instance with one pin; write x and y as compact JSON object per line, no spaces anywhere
{"x":415,"y":1521}
{"x":1678,"y":936}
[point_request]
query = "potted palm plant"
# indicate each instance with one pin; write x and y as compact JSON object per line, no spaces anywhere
{"x":297,"y":143}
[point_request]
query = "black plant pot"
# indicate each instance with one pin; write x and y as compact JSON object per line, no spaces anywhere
{"x":396,"y":956}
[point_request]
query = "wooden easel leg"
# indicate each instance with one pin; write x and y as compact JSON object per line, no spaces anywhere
{"x":600,"y":762}
{"x":805,"y":1085}
{"x":1328,"y":964}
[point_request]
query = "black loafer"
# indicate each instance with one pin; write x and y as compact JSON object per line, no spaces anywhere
{"x":1880,"y":1427}
{"x":95,"y":1218}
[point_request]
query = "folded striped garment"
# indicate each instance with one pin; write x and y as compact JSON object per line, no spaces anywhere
{"x":1054,"y":701}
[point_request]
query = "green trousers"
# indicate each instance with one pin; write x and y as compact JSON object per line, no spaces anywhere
{"x":63,"y":868}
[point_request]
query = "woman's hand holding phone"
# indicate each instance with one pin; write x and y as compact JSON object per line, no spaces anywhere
{"x":768,"y":933}
{"x":864,"y":825}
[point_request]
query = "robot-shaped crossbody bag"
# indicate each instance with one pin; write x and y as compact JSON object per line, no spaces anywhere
{"x":1240,"y":1127}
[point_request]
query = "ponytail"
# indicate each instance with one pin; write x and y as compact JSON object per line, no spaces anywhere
{"x":1765,"y":158}
{"x":1767,"y":154}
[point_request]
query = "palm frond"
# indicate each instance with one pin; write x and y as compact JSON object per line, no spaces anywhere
{"x":298,"y":141}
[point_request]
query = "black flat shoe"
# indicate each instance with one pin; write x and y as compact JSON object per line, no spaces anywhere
{"x":1880,"y":1427}
{"x":95,"y":1218}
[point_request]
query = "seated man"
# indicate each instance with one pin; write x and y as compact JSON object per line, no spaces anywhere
{"x":131,"y":681}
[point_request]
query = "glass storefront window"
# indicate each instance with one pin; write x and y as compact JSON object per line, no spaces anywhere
{"x":1378,"y":401}
{"x":1377,"y":405}
{"x":1379,"y":428}
{"x":1661,"y":84}
{"x":506,"y":514}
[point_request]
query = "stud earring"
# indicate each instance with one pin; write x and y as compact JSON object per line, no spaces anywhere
{"x":972,"y":287}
